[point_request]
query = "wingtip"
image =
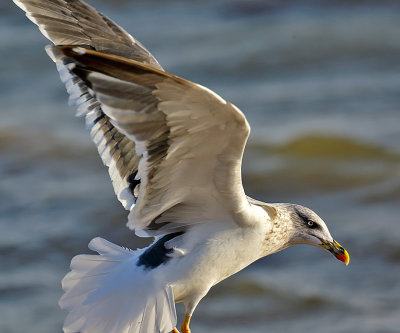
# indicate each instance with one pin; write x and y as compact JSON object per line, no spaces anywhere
{"x":20,"y":4}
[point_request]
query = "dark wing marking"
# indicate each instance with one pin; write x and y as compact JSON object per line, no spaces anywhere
{"x":115,"y":149}
{"x":157,"y":253}
{"x":190,"y":141}
{"x":74,"y":22}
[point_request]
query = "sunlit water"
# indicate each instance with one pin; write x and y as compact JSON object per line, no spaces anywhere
{"x":320,"y":86}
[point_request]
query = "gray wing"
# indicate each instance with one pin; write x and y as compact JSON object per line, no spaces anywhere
{"x":73,"y":22}
{"x":190,"y":140}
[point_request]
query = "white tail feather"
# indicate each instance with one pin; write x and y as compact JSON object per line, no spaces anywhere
{"x":109,"y":293}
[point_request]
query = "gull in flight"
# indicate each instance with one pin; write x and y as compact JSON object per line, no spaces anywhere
{"x":174,"y":151}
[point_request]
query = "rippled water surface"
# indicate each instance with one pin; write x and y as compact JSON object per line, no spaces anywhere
{"x":320,"y":84}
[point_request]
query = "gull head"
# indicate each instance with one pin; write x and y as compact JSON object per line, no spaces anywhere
{"x":308,"y":228}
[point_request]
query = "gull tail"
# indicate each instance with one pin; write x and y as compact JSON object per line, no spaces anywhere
{"x":109,"y":293}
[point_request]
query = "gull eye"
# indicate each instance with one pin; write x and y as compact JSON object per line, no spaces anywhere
{"x":311,"y":224}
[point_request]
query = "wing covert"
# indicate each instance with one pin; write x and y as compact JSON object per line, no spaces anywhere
{"x":190,"y":140}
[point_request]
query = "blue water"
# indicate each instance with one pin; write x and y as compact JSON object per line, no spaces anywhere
{"x":319,"y":82}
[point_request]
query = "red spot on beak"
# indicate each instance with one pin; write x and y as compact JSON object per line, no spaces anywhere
{"x":344,"y":257}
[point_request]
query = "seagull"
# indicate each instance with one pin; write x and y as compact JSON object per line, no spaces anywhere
{"x":174,"y":151}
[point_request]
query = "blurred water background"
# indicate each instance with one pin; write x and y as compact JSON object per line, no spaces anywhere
{"x":319,"y":82}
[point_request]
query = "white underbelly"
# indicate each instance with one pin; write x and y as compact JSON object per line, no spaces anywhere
{"x":213,"y":259}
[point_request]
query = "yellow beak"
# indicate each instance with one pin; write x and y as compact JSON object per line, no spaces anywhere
{"x":337,"y":250}
{"x":342,"y":256}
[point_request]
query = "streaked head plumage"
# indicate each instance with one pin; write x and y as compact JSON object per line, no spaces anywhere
{"x":306,"y":227}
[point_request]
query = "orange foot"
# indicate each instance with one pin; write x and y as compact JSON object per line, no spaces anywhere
{"x":175,"y":331}
{"x":185,"y":326}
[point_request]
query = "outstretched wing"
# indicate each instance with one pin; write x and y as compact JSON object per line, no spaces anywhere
{"x":190,"y":140}
{"x":177,"y":174}
{"x":73,"y":22}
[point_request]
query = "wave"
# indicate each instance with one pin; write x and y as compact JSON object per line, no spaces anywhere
{"x":313,"y":163}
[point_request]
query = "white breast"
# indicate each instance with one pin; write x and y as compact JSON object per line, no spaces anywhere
{"x":210,"y":259}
